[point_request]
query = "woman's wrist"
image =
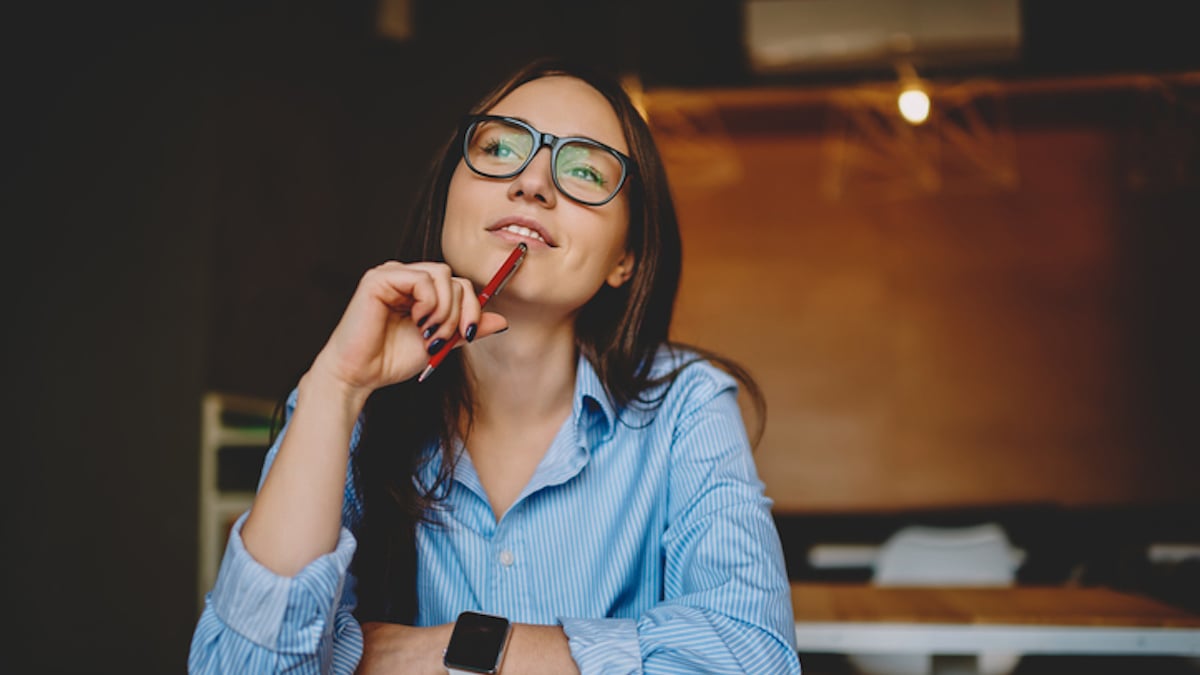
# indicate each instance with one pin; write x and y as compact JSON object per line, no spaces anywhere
{"x":319,"y":385}
{"x":390,"y":648}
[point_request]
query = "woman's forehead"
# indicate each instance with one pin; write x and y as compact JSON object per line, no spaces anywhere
{"x":564,"y":106}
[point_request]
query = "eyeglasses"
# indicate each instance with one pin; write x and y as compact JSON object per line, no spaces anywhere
{"x":585,"y":170}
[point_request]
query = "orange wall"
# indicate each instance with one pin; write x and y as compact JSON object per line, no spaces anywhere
{"x":967,"y":346}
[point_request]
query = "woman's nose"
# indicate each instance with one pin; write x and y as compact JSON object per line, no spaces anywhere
{"x":535,"y":182}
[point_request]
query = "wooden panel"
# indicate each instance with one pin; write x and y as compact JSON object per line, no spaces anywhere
{"x":969,"y":346}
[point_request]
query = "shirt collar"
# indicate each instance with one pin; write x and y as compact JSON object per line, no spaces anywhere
{"x":592,"y":408}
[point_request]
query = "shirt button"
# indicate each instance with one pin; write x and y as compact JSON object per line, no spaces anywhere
{"x":506,"y":558}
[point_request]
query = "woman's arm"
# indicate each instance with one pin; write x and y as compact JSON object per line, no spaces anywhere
{"x":378,"y":341}
{"x":283,"y":597}
{"x":297,"y":513}
{"x":392,"y":648}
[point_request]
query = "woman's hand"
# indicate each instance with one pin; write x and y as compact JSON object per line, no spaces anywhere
{"x":398,"y":314}
{"x":393,"y":648}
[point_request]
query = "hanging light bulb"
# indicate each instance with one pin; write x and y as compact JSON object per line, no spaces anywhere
{"x":914,"y":104}
{"x":913,"y":101}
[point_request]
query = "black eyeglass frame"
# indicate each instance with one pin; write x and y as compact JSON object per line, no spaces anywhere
{"x":543,"y":140}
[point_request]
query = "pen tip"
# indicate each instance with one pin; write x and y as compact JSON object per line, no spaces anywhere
{"x":425,"y":373}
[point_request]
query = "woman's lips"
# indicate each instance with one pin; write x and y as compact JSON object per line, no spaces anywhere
{"x":528,"y":231}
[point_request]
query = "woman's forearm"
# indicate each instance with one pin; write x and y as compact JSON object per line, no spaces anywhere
{"x":535,"y":649}
{"x":296,"y":515}
{"x":532,"y":649}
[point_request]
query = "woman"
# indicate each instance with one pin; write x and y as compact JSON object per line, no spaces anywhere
{"x":578,"y":476}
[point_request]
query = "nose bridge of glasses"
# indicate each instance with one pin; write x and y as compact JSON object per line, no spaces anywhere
{"x":541,"y":140}
{"x":543,"y":179}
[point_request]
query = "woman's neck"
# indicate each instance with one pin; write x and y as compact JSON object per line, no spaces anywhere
{"x":524,"y":375}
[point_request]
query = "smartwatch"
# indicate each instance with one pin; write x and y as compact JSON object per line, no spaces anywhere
{"x":477,"y":644}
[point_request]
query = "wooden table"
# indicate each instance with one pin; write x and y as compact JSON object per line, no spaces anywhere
{"x":864,"y":619}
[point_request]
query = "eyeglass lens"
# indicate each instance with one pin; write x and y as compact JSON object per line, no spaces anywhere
{"x":582,"y":170}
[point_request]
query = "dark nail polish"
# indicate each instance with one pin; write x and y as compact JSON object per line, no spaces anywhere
{"x":502,"y":330}
{"x":436,"y":346}
{"x":422,"y":321}
{"x":430,"y":331}
{"x":470,"y":334}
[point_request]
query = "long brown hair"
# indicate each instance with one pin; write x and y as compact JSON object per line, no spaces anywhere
{"x":619,"y":331}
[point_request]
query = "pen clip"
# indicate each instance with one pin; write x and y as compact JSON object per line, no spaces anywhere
{"x":504,"y":281}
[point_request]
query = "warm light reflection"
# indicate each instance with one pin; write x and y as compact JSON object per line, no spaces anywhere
{"x":632,"y":85}
{"x":914,"y":105}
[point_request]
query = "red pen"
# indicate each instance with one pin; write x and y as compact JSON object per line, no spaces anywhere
{"x":493,"y":287}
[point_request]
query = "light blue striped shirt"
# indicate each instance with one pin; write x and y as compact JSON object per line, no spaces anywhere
{"x":645,"y":535}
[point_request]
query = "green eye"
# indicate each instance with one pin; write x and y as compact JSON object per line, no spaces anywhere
{"x":500,"y":144}
{"x":499,"y":150}
{"x":585,"y":173}
{"x":586,"y":166}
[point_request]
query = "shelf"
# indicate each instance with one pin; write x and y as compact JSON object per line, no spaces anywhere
{"x":226,"y":436}
{"x":234,"y":435}
{"x":234,"y":502}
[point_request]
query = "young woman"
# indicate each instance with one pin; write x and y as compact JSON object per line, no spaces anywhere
{"x":579,"y":478}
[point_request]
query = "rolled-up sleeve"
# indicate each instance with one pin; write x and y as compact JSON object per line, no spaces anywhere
{"x":607,"y":646}
{"x":727,"y":601}
{"x":256,"y":621}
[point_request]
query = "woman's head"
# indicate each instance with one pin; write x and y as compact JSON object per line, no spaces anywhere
{"x":623,"y":271}
{"x":506,"y":192}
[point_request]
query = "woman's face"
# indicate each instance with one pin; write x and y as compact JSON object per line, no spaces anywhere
{"x":576,"y":248}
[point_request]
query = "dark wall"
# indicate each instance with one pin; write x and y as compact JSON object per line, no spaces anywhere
{"x":108,"y":211}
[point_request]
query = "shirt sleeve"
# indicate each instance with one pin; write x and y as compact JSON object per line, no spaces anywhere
{"x":255,"y":621}
{"x":727,"y":601}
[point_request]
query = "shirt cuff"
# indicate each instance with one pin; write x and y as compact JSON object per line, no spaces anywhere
{"x":608,"y":646}
{"x":257,"y":603}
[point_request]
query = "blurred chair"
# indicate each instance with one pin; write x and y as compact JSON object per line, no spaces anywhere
{"x":916,"y":555}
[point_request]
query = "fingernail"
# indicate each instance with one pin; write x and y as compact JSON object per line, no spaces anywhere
{"x":502,"y":330}
{"x":436,"y":346}
{"x":430,"y":331}
{"x":471,"y":330}
{"x":422,"y":321}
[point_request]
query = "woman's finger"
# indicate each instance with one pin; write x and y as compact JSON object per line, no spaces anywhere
{"x":430,"y":318}
{"x":397,"y":286}
{"x":490,"y":323}
{"x":468,"y":320}
{"x":449,"y":325}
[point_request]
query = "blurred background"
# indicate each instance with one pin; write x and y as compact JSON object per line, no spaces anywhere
{"x":984,"y":315}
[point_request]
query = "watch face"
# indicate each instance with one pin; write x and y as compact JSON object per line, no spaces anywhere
{"x":477,"y":642}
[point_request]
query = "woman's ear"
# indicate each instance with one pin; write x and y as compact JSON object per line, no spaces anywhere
{"x":622,"y":272}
